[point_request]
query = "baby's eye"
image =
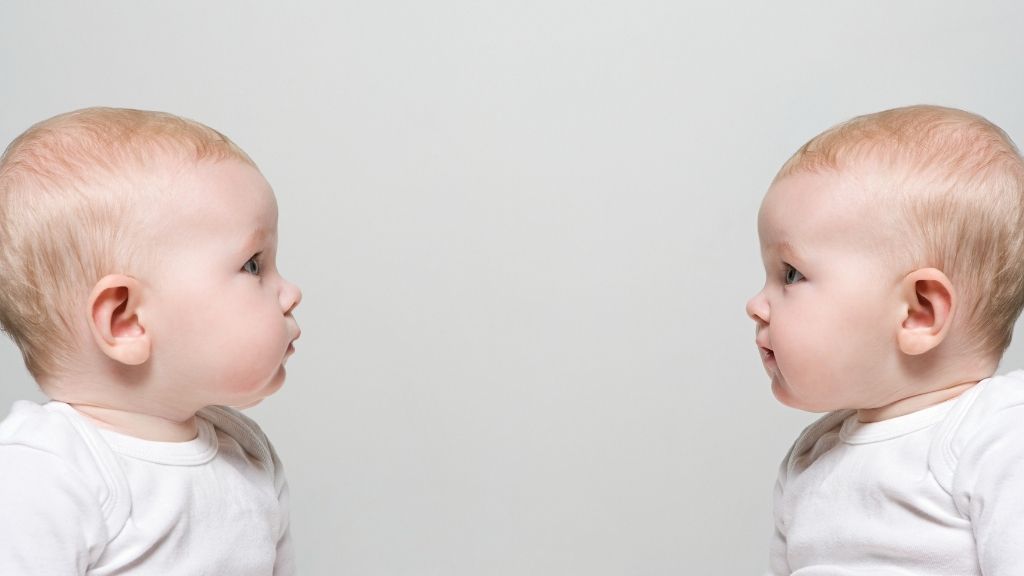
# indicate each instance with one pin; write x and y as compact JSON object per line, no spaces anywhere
{"x":793,"y":275}
{"x":252,"y":265}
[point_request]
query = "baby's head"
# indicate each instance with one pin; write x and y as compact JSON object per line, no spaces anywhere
{"x":143,"y":243}
{"x":894,"y":251}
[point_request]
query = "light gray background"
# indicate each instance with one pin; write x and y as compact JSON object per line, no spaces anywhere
{"x":525,"y":233}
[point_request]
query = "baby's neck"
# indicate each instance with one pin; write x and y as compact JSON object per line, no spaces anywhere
{"x":914,"y":403}
{"x":139,"y":425}
{"x":125,"y":403}
{"x":929,"y":382}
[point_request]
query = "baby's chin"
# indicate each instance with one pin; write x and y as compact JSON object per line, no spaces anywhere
{"x":246,"y":405}
{"x":785,"y":395}
{"x":253,"y":395}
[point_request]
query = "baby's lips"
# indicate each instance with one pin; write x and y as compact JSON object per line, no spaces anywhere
{"x":762,"y":343}
{"x":291,"y":344}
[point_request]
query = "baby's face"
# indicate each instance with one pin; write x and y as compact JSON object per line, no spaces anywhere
{"x":217,"y":309}
{"x":829,"y":310}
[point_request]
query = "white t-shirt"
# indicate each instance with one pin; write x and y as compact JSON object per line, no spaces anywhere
{"x":936,"y":492}
{"x":77,"y":499}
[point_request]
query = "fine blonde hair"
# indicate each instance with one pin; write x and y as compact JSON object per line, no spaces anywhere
{"x":955,"y":182}
{"x":69,"y":188}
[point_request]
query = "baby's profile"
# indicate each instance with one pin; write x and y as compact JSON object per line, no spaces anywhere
{"x":893,"y":247}
{"x":138,"y":279}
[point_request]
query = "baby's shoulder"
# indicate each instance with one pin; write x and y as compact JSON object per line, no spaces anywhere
{"x":985,"y":406}
{"x":50,"y":428}
{"x":991,"y":409}
{"x":53,"y":447}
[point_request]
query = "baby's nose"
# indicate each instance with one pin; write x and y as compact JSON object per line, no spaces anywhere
{"x":290,"y":296}
{"x":757,"y":308}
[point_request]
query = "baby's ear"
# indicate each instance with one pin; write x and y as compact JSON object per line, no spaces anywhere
{"x":114,"y":319}
{"x":930,"y":300}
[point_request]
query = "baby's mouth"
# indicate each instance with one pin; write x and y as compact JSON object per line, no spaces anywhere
{"x":767,"y":354}
{"x":291,"y":345}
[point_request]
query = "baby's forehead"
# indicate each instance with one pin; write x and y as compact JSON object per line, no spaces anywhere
{"x":819,"y":190}
{"x":875,"y":187}
{"x":202,"y":189}
{"x":826,"y":206}
{"x":225,"y":209}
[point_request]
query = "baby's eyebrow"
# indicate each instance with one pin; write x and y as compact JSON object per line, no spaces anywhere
{"x":256,"y":238}
{"x":784,"y":249}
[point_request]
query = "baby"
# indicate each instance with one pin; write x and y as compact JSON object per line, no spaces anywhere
{"x":893,"y":246}
{"x":138,"y":279}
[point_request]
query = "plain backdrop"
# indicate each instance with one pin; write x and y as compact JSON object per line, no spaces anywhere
{"x":525,"y":232}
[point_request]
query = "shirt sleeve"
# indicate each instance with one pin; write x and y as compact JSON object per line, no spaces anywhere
{"x":989,"y":489}
{"x":51,"y":522}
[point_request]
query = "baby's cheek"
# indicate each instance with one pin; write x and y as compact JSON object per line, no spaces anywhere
{"x":259,"y":355}
{"x":249,"y":373}
{"x":797,"y":357}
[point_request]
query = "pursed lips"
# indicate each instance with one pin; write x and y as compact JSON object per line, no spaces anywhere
{"x":767,"y":354}
{"x":291,"y":344}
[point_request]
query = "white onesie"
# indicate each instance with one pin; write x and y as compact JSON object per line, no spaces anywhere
{"x":936,"y":492}
{"x":77,"y":499}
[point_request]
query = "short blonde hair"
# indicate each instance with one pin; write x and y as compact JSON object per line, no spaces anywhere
{"x":68,"y":189}
{"x":956,"y":183}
